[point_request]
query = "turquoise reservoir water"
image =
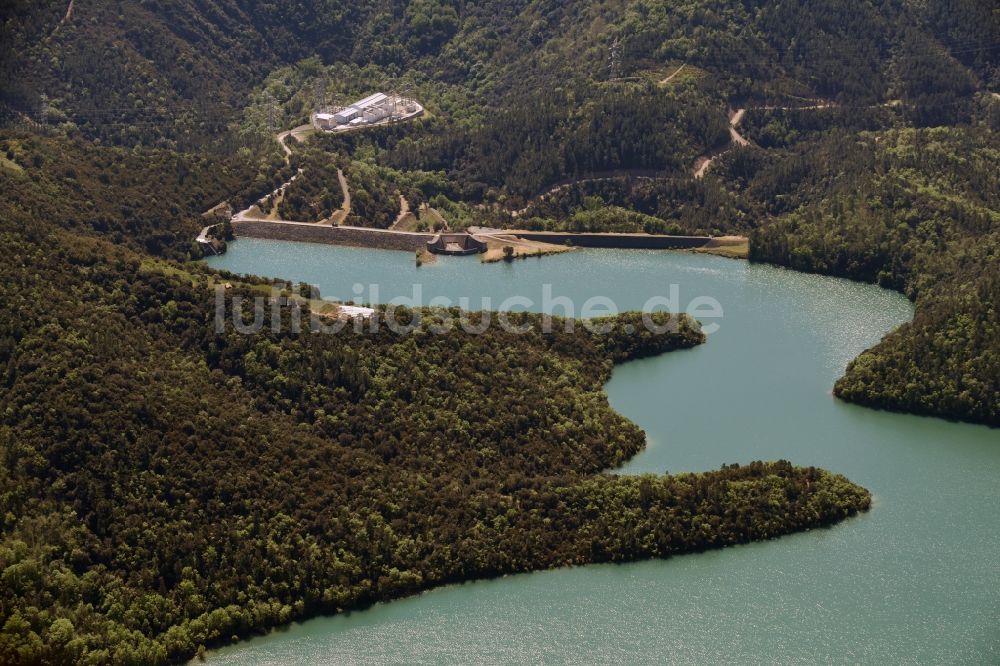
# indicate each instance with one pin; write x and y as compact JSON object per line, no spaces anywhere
{"x":916,"y":580}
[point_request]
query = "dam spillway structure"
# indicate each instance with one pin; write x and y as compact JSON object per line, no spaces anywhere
{"x":455,"y":245}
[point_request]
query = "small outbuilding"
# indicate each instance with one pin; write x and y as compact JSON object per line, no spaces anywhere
{"x":325,"y":121}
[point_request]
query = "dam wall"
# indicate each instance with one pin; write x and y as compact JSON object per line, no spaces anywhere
{"x":621,"y":241}
{"x":411,"y":241}
{"x":317,"y":233}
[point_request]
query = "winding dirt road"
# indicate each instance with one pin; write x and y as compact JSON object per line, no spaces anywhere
{"x":702,"y":164}
{"x":600,"y":176}
{"x":65,"y":19}
{"x":284,"y":146}
{"x":404,"y":208}
{"x":810,"y":107}
{"x":404,"y":213}
{"x":337,"y":219}
{"x":258,"y":214}
{"x":340,"y":216}
{"x":671,"y":77}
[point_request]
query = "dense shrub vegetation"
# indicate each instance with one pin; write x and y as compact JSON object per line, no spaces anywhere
{"x":914,"y":210}
{"x":316,"y":194}
{"x":165,"y":487}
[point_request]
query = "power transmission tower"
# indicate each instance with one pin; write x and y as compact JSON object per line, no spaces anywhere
{"x":321,"y":93}
{"x":615,"y":60}
{"x":272,"y":114}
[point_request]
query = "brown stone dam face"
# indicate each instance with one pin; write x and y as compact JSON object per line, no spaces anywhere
{"x":315,"y":233}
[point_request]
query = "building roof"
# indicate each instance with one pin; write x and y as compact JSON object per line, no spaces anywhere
{"x":371,"y":100}
{"x":324,"y":116}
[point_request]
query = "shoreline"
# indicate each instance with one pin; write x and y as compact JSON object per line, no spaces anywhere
{"x":524,"y":243}
{"x":730,"y":247}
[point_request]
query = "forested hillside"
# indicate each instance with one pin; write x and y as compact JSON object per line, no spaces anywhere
{"x":918,"y":211}
{"x":166,"y":486}
{"x":179,"y":72}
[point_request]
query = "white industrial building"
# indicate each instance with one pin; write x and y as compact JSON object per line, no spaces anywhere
{"x":362,"y":108}
{"x":368,"y":111}
{"x":346,"y":116}
{"x":373,"y":114}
